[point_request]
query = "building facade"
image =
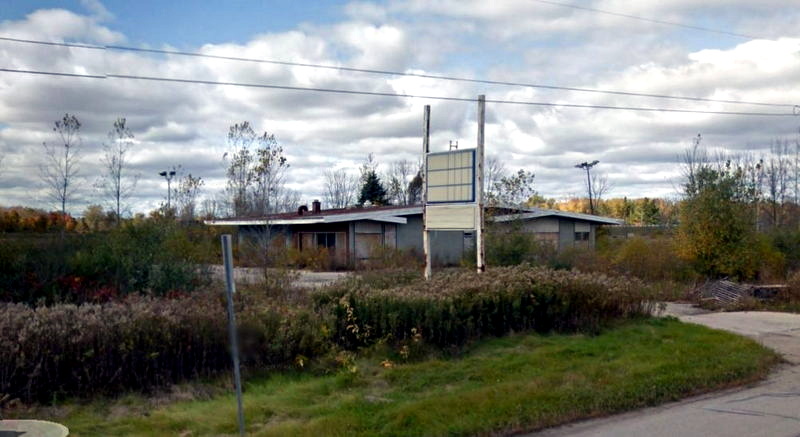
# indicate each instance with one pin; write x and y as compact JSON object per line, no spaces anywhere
{"x":351,"y":236}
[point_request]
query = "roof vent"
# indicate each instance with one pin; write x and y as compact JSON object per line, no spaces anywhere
{"x":316,"y":206}
{"x":302,"y":210}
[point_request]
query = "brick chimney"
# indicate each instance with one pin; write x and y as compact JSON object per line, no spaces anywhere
{"x":316,"y":207}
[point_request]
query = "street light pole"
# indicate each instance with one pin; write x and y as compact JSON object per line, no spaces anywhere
{"x":168,"y":176}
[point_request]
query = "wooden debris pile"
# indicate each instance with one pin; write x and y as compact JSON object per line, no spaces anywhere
{"x":726,"y":292}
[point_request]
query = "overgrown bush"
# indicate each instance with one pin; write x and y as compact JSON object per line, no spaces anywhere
{"x":791,"y":295}
{"x":650,"y":259}
{"x":389,"y":258}
{"x":513,"y":247}
{"x":154,"y":256}
{"x":787,"y":242}
{"x":584,"y":259}
{"x":456,"y":307}
{"x":142,"y":343}
{"x":312,"y":258}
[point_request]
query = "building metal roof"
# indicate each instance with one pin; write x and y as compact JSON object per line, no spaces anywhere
{"x":396,"y":214}
{"x":386,"y":214}
{"x":534,"y":213}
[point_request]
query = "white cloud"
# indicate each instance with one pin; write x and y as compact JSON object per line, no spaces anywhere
{"x":517,"y":41}
{"x":99,"y":12}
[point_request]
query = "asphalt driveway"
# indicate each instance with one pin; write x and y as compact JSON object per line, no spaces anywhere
{"x":769,"y":409}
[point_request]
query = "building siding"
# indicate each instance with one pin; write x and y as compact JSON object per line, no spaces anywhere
{"x":448,"y":247}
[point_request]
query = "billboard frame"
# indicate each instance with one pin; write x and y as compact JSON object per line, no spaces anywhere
{"x":473,"y":152}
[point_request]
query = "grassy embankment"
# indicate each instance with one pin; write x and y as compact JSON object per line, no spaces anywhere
{"x":519,"y":382}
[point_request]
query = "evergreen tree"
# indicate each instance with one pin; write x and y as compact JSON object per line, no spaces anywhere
{"x":648,"y":212}
{"x":372,"y":190}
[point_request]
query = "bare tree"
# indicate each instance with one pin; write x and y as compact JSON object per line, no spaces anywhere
{"x":255,"y":170}
{"x":588,"y":167}
{"x":241,"y":137}
{"x":60,"y":170}
{"x":692,"y":161}
{"x":398,"y":178}
{"x":600,"y":187}
{"x":186,"y":193}
{"x":493,"y":171}
{"x":341,"y":188}
{"x":114,"y":183}
{"x":270,"y":171}
{"x":370,"y":165}
{"x":796,"y":170}
{"x":215,"y":206}
{"x":776,"y":175}
{"x":286,"y":200}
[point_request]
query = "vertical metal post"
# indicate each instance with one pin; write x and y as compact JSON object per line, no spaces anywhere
{"x":230,"y":288}
{"x":426,"y":242}
{"x":479,"y":249}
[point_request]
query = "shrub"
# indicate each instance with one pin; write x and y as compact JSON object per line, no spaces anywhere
{"x":792,"y":292}
{"x":788,"y":244}
{"x":156,"y":257}
{"x":651,"y":259}
{"x":585,"y":260}
{"x":456,"y":307}
{"x":389,"y":258}
{"x":508,"y":246}
{"x":142,"y":343}
{"x":312,"y":258}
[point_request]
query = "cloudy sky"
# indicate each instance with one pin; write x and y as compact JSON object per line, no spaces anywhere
{"x":526,"y":41}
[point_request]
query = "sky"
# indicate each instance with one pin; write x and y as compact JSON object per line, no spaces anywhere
{"x":527,"y":41}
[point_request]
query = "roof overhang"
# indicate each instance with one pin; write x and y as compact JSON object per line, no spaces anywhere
{"x":554,"y":213}
{"x":387,"y":216}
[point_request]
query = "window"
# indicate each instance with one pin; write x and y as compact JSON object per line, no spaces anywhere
{"x":582,"y":236}
{"x":326,"y":239}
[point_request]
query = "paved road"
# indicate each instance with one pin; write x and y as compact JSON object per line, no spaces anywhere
{"x":769,"y":409}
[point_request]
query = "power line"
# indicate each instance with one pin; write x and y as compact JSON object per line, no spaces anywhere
{"x":52,"y":43}
{"x":399,"y":73}
{"x":397,"y":95}
{"x":648,"y":20}
{"x":51,"y":73}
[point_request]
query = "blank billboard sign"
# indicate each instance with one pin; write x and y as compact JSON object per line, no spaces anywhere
{"x":450,"y":217}
{"x":451,"y":176}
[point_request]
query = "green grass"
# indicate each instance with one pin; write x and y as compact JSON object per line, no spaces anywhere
{"x":520,"y":382}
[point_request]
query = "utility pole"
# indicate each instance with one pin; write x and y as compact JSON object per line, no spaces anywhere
{"x":479,"y":249}
{"x":426,"y":242}
{"x":588,"y":167}
{"x":168,"y":176}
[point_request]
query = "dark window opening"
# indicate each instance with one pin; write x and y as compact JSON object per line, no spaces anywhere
{"x":326,"y":239}
{"x":581,"y":236}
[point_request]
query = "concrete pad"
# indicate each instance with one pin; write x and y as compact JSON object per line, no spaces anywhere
{"x":32,"y":428}
{"x":768,"y":409}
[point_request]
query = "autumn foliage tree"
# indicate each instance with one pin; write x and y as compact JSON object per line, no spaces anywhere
{"x":717,"y":229}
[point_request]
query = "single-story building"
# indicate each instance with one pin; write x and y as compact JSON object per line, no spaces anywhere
{"x":350,"y":234}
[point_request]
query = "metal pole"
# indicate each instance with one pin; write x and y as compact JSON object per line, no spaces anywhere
{"x":479,"y":249}
{"x":589,"y":185}
{"x":230,"y":288}
{"x":169,"y":193}
{"x":426,"y":242}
